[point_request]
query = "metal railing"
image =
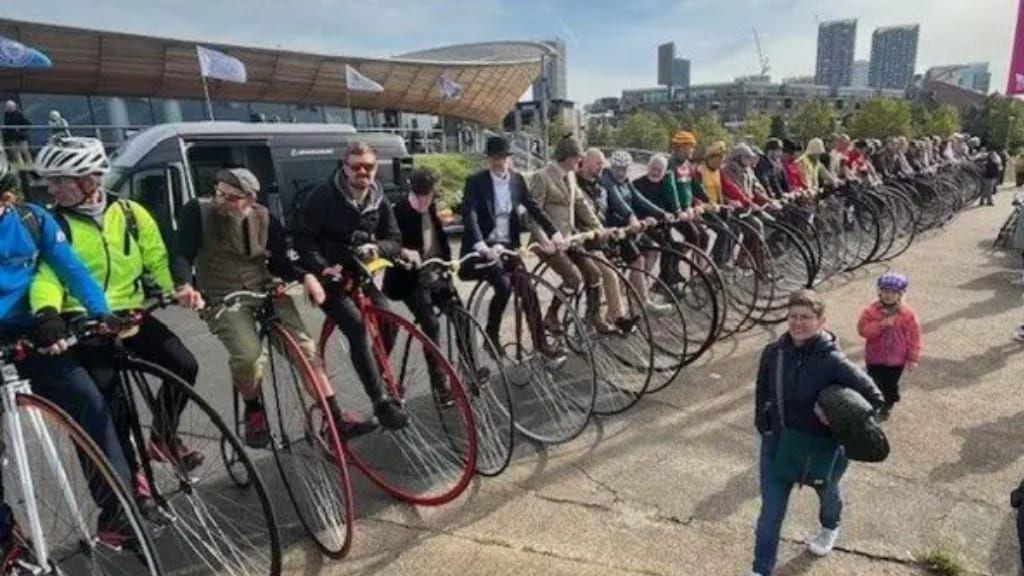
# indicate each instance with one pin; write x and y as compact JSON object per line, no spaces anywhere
{"x":426,"y":140}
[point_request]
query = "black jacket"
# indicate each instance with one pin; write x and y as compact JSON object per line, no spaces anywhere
{"x":329,"y":226}
{"x":12,"y":120}
{"x":624,"y":200}
{"x":807,"y":371}
{"x":852,"y":422}
{"x":478,"y":210}
{"x":400,"y":282}
{"x":772,"y":176}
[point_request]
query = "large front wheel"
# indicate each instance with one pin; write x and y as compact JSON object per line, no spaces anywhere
{"x":81,"y":503}
{"x":307,"y":448}
{"x":432,"y":458}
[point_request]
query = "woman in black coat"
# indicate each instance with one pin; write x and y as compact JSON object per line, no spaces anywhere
{"x":808,"y":361}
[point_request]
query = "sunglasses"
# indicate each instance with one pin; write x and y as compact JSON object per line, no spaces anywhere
{"x":362,"y":167}
{"x":231,"y":196}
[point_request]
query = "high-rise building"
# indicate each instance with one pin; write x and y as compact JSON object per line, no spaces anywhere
{"x":860,"y":73}
{"x":973,"y":76}
{"x":555,"y":65}
{"x":680,"y":73}
{"x":672,"y":70}
{"x":893,"y":56}
{"x":666,"y":55}
{"x":836,"y":42}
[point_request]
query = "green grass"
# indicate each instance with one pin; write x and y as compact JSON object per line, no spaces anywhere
{"x":454,"y":169}
{"x":944,"y":563}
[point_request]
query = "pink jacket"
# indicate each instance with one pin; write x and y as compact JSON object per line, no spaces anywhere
{"x":895,"y":345}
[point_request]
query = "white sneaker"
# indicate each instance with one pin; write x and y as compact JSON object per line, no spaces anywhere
{"x":823,"y":543}
{"x":754,"y":574}
{"x":1018,"y":335}
{"x":658,"y":307}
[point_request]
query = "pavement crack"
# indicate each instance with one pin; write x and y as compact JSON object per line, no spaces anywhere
{"x":527,"y":549}
{"x":875,"y":557}
{"x":649,"y":511}
{"x":615,"y":494}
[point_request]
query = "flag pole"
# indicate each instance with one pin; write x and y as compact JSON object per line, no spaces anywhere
{"x":209,"y":105}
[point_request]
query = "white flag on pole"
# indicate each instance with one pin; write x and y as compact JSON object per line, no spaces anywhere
{"x":449,"y":89}
{"x":214,"y":64}
{"x":356,"y":82}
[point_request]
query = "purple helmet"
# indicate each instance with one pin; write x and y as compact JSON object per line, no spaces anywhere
{"x":893,"y":281}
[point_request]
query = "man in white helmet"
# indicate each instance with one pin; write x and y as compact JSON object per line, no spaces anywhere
{"x":120,"y":243}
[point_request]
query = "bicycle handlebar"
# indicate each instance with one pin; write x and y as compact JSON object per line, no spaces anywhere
{"x":235,"y":299}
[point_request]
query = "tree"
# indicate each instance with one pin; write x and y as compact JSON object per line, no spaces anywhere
{"x":881,"y":118}
{"x":642,"y":130}
{"x":779,"y":129}
{"x":992,"y":122}
{"x":941,"y":120}
{"x":757,"y":128}
{"x":556,"y":131}
{"x":708,"y":129}
{"x":600,"y":133}
{"x":813,"y":119}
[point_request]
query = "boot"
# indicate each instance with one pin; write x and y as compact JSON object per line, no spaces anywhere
{"x":593,"y":314}
{"x":438,"y":381}
{"x":552,"y":323}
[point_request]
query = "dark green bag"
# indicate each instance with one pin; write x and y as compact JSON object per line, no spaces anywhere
{"x":801,"y":458}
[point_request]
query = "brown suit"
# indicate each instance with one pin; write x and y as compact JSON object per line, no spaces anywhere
{"x":567,"y":206}
{"x":552,"y":189}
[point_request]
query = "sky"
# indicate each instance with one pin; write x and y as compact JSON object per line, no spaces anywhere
{"x":612,"y":44}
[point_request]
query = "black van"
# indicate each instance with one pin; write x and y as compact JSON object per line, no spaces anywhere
{"x":165,"y":166}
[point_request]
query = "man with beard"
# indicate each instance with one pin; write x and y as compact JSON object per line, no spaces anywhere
{"x":235,"y":243}
{"x":346,"y":220}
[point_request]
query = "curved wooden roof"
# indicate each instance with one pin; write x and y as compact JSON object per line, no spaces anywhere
{"x":117,"y":64}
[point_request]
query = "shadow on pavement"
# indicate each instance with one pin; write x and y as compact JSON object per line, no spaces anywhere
{"x":988,"y":448}
{"x":729,"y":498}
{"x":969,"y":371}
{"x":800,"y":564}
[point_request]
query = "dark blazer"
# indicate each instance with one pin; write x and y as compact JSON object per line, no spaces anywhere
{"x":400,"y":282}
{"x":478,"y":209}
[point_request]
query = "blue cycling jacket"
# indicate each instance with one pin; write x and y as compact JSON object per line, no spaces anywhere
{"x":20,"y":257}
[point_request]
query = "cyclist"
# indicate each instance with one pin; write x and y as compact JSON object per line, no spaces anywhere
{"x":601,"y":203}
{"x":626,"y":204}
{"x":237,"y":244}
{"x":423,"y":237}
{"x":344,"y":220}
{"x":119,"y":242}
{"x":658,"y":188}
{"x":794,"y":176}
{"x":494,"y":199}
{"x":839,"y":155}
{"x":681,"y":168}
{"x":712,"y":190}
{"x":739,"y":169}
{"x":30,"y":237}
{"x":555,"y":189}
{"x":769,"y":169}
{"x":812,"y":170}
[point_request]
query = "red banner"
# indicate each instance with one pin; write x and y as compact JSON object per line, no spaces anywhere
{"x":1015,"y":82}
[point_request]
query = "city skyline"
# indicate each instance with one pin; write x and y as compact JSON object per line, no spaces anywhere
{"x":610,"y":46}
